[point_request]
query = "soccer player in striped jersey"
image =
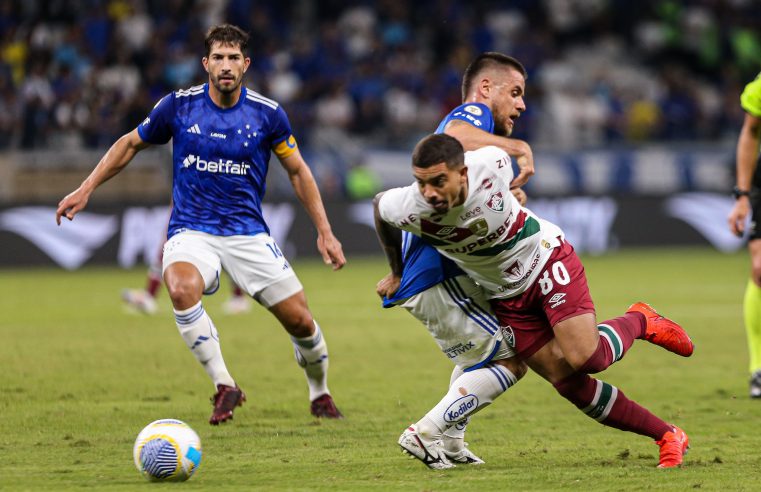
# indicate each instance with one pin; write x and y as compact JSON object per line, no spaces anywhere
{"x":536,"y":282}
{"x":223,"y":135}
{"x":747,"y":195}
{"x":453,"y":308}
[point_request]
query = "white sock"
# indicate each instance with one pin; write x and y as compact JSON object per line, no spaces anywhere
{"x":468,"y":394}
{"x":202,"y":339}
{"x":312,"y":354}
{"x":454,"y":437}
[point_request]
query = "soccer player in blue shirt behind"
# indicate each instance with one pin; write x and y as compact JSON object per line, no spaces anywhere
{"x":222,"y":137}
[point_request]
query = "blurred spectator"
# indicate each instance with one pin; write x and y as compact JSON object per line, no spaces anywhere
{"x":383,"y":72}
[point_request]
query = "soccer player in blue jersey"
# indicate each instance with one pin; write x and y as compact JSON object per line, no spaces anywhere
{"x":493,"y":87}
{"x":222,"y":137}
{"x":434,"y":290}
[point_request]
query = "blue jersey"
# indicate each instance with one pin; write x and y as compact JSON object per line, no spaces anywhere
{"x":423,"y":266}
{"x":220,"y":158}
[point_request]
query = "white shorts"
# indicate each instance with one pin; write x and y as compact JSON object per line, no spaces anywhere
{"x":457,"y":314}
{"x":255,"y":263}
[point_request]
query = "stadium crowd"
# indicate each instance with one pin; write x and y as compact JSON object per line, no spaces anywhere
{"x":80,"y":73}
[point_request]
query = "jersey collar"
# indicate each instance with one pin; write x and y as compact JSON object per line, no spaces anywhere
{"x":216,"y":108}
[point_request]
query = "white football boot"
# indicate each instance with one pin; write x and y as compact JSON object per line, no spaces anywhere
{"x":462,"y":456}
{"x":140,"y":300}
{"x":431,"y":453}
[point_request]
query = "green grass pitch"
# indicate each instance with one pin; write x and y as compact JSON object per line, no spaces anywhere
{"x":81,"y":377}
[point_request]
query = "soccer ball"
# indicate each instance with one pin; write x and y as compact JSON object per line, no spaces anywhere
{"x":167,"y":450}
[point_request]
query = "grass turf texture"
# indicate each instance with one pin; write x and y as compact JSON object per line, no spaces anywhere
{"x":81,"y":377}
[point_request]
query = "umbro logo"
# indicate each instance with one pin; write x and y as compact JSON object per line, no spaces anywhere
{"x":556,"y":300}
{"x":194,"y":129}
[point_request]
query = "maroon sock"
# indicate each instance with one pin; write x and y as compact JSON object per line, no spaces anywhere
{"x":609,"y":406}
{"x":616,"y":336}
{"x":152,"y":286}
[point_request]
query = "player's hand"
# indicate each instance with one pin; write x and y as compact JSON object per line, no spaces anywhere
{"x":519,"y":195}
{"x":331,"y":250}
{"x":525,"y":168}
{"x":738,"y":215}
{"x":388,"y":285}
{"x":71,"y":205}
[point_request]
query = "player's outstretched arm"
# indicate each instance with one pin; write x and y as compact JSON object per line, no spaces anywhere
{"x":306,"y":190}
{"x":473,"y":138}
{"x":747,"y":155}
{"x":112,"y":162}
{"x":391,"y":241}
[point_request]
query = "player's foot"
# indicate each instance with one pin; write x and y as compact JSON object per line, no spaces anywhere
{"x":140,"y":300}
{"x":324,"y":406}
{"x":236,"y":305}
{"x":674,"y":445}
{"x":431,"y":453}
{"x":755,"y":385}
{"x":463,"y":456}
{"x":663,"y":332}
{"x":225,"y":400}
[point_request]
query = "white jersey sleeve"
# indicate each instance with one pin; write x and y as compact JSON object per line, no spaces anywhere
{"x":495,"y":159}
{"x":401,"y":207}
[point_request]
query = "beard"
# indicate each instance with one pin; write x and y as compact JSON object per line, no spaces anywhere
{"x":500,"y":128}
{"x":225,"y":89}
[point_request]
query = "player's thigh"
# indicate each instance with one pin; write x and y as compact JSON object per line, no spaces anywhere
{"x":549,"y":362}
{"x":198,"y":249}
{"x":578,"y":338}
{"x":258,"y":266}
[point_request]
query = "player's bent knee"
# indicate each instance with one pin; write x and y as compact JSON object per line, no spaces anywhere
{"x":514,"y":365}
{"x":184,"y":291}
{"x":295,"y":317}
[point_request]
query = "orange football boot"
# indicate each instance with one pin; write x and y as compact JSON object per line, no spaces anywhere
{"x":664,"y":332}
{"x":674,"y":445}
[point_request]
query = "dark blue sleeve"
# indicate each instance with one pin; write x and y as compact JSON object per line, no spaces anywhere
{"x":476,"y":114}
{"x":280,"y":127}
{"x":157,"y":127}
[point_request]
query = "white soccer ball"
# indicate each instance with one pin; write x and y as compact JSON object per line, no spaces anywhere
{"x":167,"y":450}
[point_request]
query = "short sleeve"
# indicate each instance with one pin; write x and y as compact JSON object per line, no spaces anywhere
{"x":494,"y":158}
{"x":157,"y":127}
{"x":476,"y":114}
{"x":396,"y":206}
{"x":281,"y":136}
{"x":750,"y":100}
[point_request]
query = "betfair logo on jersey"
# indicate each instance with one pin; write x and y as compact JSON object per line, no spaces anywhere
{"x":220,"y":166}
{"x":461,"y":408}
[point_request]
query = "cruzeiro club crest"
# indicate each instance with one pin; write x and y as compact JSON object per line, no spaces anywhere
{"x":496,"y":202}
{"x":479,"y":227}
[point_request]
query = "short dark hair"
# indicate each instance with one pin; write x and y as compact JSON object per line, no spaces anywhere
{"x":226,"y":34}
{"x":438,"y":148}
{"x":486,"y":60}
